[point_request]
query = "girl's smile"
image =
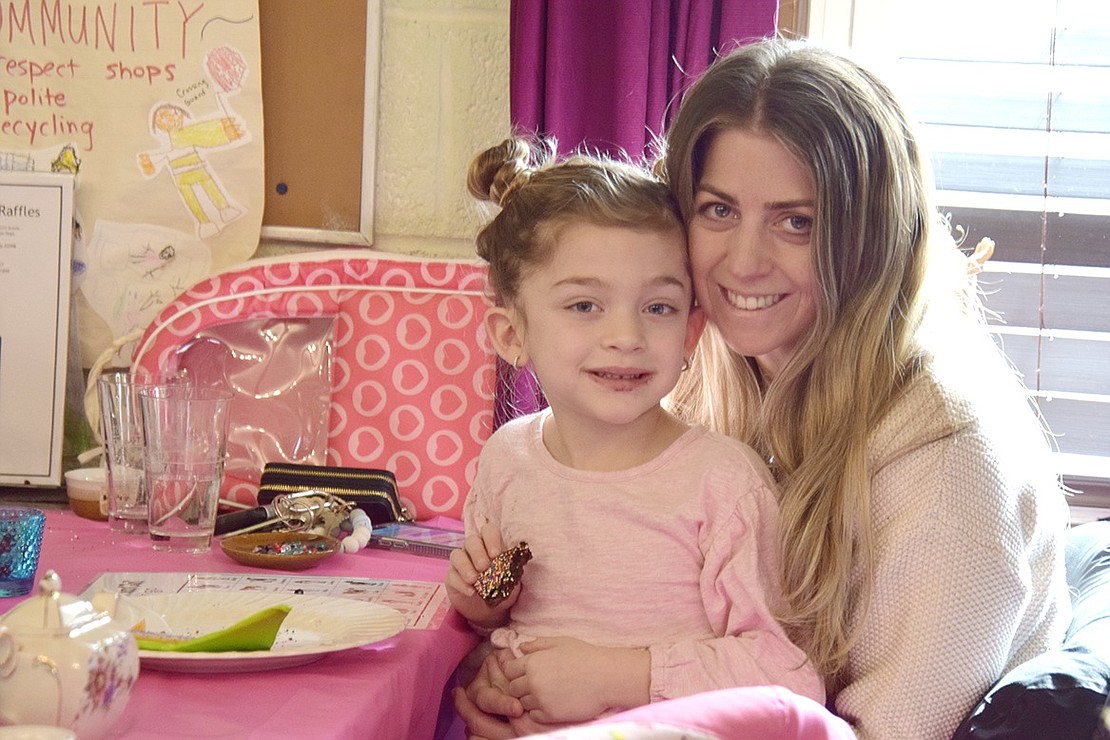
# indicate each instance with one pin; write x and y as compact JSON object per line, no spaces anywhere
{"x":621,"y":380}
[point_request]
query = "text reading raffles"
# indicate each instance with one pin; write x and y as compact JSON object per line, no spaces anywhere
{"x":24,"y":211}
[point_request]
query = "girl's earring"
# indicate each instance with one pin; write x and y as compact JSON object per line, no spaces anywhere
{"x":516,"y":361}
{"x":685,"y":364}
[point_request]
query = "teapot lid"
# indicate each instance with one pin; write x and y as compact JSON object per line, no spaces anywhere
{"x":53,"y":610}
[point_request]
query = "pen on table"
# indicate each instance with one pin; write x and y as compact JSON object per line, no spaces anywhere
{"x":244,"y":520}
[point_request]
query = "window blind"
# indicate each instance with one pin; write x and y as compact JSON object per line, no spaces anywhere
{"x":1014,"y":101}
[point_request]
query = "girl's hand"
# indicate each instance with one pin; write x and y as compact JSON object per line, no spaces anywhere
{"x":485,"y":706}
{"x":561,"y":679}
{"x":466,"y":563}
{"x":479,"y":724}
{"x":488,"y":710}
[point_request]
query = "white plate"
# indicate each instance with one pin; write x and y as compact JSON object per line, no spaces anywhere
{"x":316,"y":626}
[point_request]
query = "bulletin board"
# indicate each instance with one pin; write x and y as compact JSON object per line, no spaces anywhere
{"x":320,"y":92}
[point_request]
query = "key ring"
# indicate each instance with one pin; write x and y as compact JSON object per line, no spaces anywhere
{"x":309,"y":509}
{"x":302,"y":511}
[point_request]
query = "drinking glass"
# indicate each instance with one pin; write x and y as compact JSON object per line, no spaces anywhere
{"x":122,"y":427}
{"x":185,"y":427}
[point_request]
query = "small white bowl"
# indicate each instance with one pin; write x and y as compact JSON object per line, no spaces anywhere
{"x":85,"y":488}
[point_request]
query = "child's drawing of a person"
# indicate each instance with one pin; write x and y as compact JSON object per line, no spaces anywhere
{"x":185,"y":157}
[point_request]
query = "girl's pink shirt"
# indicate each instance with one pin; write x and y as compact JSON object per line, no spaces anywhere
{"x":679,"y":555}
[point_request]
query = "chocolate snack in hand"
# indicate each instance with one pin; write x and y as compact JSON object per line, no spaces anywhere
{"x":496,"y":582}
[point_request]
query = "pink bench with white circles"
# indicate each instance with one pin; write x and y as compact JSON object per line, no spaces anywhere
{"x":348,"y":358}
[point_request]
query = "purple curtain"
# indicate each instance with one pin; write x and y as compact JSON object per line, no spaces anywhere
{"x":606,"y":73}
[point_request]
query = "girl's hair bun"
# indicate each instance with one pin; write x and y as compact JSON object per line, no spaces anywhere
{"x":501,"y":170}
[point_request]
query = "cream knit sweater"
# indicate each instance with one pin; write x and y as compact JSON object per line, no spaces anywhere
{"x":969,"y":575}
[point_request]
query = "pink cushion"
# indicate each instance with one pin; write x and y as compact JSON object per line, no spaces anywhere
{"x":751,"y":711}
{"x":410,"y":371}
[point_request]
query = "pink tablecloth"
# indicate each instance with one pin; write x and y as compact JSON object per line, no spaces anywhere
{"x":387,"y":690}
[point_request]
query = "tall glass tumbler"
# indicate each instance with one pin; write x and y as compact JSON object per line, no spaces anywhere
{"x":185,"y":427}
{"x":121,"y":425}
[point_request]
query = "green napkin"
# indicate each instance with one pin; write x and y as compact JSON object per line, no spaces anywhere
{"x":256,"y":632}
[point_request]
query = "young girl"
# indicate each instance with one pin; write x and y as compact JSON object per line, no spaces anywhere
{"x":655,"y":544}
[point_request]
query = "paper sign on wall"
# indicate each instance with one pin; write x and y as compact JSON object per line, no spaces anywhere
{"x":157,"y":106}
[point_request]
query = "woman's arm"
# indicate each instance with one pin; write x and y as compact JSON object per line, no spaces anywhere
{"x":968,"y":581}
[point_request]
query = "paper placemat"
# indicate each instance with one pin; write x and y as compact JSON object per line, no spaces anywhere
{"x":423,"y":604}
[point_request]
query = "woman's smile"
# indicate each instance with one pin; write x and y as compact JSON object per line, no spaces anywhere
{"x":750,"y":245}
{"x":751,"y":302}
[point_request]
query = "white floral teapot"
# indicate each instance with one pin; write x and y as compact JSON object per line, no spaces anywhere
{"x":65,"y":662}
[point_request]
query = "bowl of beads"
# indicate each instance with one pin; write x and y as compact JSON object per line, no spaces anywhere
{"x":280,"y":550}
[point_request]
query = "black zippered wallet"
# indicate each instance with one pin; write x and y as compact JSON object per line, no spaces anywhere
{"x":374,"y":490}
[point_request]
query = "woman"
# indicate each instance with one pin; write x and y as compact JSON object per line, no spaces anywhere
{"x":922,"y":523}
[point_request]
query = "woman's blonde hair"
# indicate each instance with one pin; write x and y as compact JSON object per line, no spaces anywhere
{"x":872,"y":237}
{"x":538,"y":194}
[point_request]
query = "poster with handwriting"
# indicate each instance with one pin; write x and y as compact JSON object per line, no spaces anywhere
{"x":36,"y":232}
{"x":156,"y":107}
